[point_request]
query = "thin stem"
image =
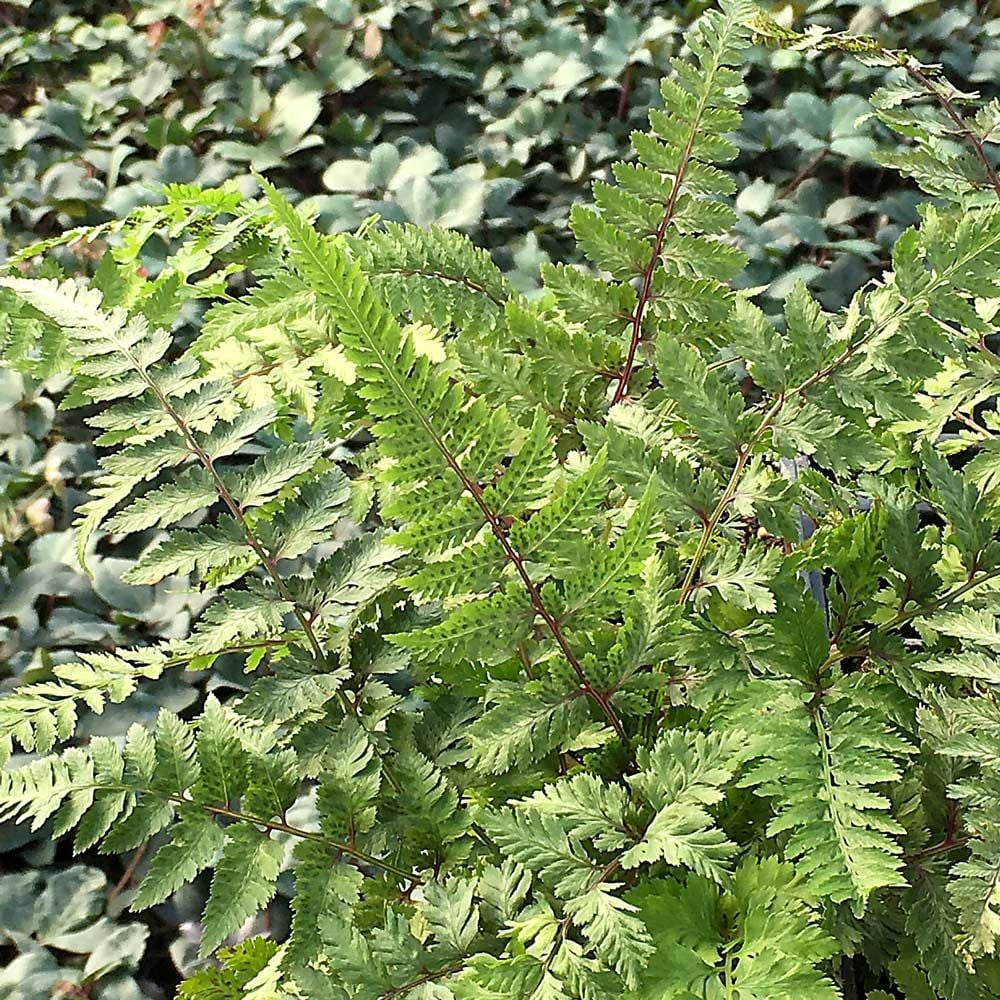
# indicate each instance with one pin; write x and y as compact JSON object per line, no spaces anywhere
{"x":646,"y":288}
{"x":256,"y":372}
{"x":912,"y":67}
{"x":982,"y":349}
{"x":455,"y":279}
{"x":623,"y":93}
{"x":726,"y":499}
{"x":427,"y":977}
{"x":824,"y":739}
{"x":267,"y":824}
{"x":294,"y":831}
{"x":903,"y":617}
{"x":946,"y":846}
{"x":804,"y":172}
{"x":534,"y":595}
{"x":945,"y":599}
{"x":235,"y":647}
{"x":226,"y":496}
{"x":971,"y":423}
{"x":730,"y":982}
{"x":763,"y":427}
{"x":716,"y":365}
{"x":559,"y":937}
{"x":123,"y":882}
{"x":916,"y":73}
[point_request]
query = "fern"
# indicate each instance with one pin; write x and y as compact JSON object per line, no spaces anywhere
{"x":176,"y":417}
{"x":424,"y":426}
{"x":968,"y":731}
{"x":614,"y":640}
{"x":771,"y":945}
{"x":435,"y":276}
{"x":921,"y":104}
{"x":242,"y":964}
{"x":839,"y":828}
{"x":660,"y":223}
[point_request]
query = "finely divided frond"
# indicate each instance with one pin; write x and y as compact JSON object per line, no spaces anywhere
{"x":659,"y":224}
{"x":427,"y":429}
{"x":821,"y":764}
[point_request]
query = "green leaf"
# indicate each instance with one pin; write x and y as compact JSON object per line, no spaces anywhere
{"x":242,"y":885}
{"x":522,"y":726}
{"x":820,"y":765}
{"x":194,"y":841}
{"x":775,"y":949}
{"x":350,"y":783}
{"x":679,"y":777}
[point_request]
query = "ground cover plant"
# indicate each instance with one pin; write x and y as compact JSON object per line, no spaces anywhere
{"x":617,"y":639}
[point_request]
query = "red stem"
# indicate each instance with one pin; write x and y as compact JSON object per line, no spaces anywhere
{"x":913,"y":68}
{"x":645,"y":292}
{"x":516,"y":560}
{"x":623,"y":93}
{"x":123,"y":882}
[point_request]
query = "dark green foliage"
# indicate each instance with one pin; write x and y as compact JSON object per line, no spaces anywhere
{"x":617,"y":637}
{"x":63,"y":937}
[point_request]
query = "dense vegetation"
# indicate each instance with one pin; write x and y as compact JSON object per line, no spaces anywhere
{"x":634,"y":634}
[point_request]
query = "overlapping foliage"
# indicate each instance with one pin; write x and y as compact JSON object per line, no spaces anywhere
{"x":618,"y":639}
{"x":154,"y":92}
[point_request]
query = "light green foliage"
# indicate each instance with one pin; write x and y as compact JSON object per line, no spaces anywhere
{"x":612,"y":640}
{"x":760,"y":939}
{"x":819,"y":763}
{"x":660,"y":222}
{"x":967,"y":732}
{"x":241,"y":965}
{"x":242,"y":884}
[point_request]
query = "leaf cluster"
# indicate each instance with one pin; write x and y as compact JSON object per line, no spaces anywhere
{"x":619,"y":638}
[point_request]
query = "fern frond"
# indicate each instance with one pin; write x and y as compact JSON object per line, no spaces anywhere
{"x":821,"y":765}
{"x":777,"y":957}
{"x":242,"y":885}
{"x":37,"y":715}
{"x":240,"y":966}
{"x":296,"y":686}
{"x":195,"y":841}
{"x":435,"y":275}
{"x":322,"y":887}
{"x":350,"y":783}
{"x":659,"y":224}
{"x":186,"y":778}
{"x":542,"y":361}
{"x":964,"y":730}
{"x":426,"y":428}
{"x":680,"y":776}
{"x":541,"y":843}
{"x":523,"y":724}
